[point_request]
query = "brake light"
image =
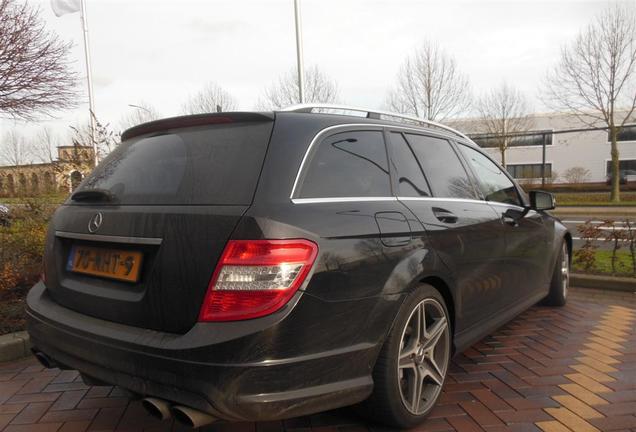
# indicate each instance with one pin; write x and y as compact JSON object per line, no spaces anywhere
{"x":255,"y":278}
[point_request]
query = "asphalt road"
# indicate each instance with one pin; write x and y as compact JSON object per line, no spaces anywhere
{"x":572,"y":222}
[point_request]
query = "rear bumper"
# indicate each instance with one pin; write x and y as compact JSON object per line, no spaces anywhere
{"x":204,"y":368}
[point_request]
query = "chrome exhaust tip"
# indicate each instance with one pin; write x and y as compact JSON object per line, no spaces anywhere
{"x":157,"y":408}
{"x":191,"y":417}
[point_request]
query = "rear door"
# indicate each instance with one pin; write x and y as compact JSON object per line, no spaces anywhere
{"x":142,"y":249}
{"x":528,"y":248}
{"x":434,"y":184}
{"x":343,"y":195}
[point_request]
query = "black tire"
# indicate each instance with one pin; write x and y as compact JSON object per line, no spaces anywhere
{"x":560,"y":282}
{"x":387,"y":404}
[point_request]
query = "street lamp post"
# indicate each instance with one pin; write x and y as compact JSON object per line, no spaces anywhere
{"x":299,"y":53}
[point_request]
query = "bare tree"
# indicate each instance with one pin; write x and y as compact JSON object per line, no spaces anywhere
{"x":15,"y":150}
{"x":503,"y":113}
{"x":211,"y":98}
{"x":430,"y":85}
{"x":45,"y":144}
{"x":35,"y":72}
{"x":142,"y":112}
{"x":319,"y":88}
{"x":576,"y":175}
{"x":104,"y":139}
{"x":596,"y":77}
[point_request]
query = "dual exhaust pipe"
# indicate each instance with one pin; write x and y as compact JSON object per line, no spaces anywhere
{"x":158,"y":408}
{"x":163,"y":410}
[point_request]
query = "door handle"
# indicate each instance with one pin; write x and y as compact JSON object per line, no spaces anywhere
{"x":444,"y":215}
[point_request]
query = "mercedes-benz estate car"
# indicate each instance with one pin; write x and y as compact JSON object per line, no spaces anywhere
{"x":265,"y":265}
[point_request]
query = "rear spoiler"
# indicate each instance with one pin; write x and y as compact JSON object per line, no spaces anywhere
{"x":196,"y":120}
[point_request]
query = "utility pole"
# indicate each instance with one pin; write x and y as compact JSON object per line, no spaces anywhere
{"x":89,"y":78}
{"x":299,"y":53}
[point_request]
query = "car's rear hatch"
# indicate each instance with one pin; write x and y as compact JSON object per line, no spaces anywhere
{"x":140,"y":240}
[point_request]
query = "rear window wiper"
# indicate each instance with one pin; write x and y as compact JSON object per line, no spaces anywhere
{"x":93,"y":195}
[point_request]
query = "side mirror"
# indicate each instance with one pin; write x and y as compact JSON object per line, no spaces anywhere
{"x":540,"y":200}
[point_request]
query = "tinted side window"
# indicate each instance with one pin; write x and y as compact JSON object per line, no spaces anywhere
{"x":494,"y":184}
{"x":444,"y":171}
{"x":348,"y":164}
{"x":410,"y":172}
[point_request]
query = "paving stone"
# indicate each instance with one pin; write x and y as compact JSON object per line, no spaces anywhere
{"x":550,"y":369}
{"x":31,"y":413}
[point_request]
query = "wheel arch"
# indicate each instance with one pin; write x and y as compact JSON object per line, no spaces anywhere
{"x":442,"y":287}
{"x":445,"y":291}
{"x":568,"y":241}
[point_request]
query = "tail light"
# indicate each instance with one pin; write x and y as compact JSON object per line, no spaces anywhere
{"x":256,"y":277}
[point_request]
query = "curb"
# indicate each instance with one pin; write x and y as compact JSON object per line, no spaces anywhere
{"x":14,"y":346}
{"x":623,"y":284}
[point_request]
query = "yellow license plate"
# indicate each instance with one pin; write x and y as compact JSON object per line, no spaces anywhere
{"x":109,"y":263}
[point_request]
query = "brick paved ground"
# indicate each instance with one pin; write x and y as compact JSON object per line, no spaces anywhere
{"x":568,"y":369}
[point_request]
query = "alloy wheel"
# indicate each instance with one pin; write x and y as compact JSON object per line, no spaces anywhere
{"x":423,"y":356}
{"x":565,"y":271}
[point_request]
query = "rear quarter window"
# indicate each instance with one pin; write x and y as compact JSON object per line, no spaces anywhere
{"x":211,"y":165}
{"x":347,"y":164}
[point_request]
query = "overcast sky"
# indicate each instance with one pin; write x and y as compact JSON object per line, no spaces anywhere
{"x":160,"y":52}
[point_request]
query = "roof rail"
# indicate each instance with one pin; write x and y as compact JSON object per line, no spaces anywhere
{"x":373,"y":114}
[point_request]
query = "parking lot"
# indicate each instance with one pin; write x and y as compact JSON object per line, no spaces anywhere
{"x":551,"y":369}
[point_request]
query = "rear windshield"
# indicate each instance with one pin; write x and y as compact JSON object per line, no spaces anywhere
{"x":217,"y":164}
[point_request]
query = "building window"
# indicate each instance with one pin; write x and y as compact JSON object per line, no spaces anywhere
{"x":624,"y":165}
{"x":532,"y":139}
{"x":35,"y":183}
{"x":529,"y":171}
{"x":76,"y":179}
{"x":49,"y":184}
{"x":10,"y":184}
{"x":22,"y":181}
{"x":627,"y":133}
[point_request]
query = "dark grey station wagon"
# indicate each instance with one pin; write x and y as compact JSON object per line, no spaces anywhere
{"x":264,"y":265}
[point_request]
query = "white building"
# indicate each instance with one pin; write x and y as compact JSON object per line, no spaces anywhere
{"x":589,"y":149}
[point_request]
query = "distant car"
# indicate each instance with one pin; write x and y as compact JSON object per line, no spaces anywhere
{"x":626,"y":176}
{"x":5,"y":215}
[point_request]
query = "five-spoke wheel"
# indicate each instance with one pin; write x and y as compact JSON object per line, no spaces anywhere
{"x":423,"y":356}
{"x":412,"y":365}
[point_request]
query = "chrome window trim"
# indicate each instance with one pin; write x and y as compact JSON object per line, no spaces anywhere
{"x":398,"y":198}
{"x":109,"y":238}
{"x":437,"y":199}
{"x":340,"y":199}
{"x":370,"y":126}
